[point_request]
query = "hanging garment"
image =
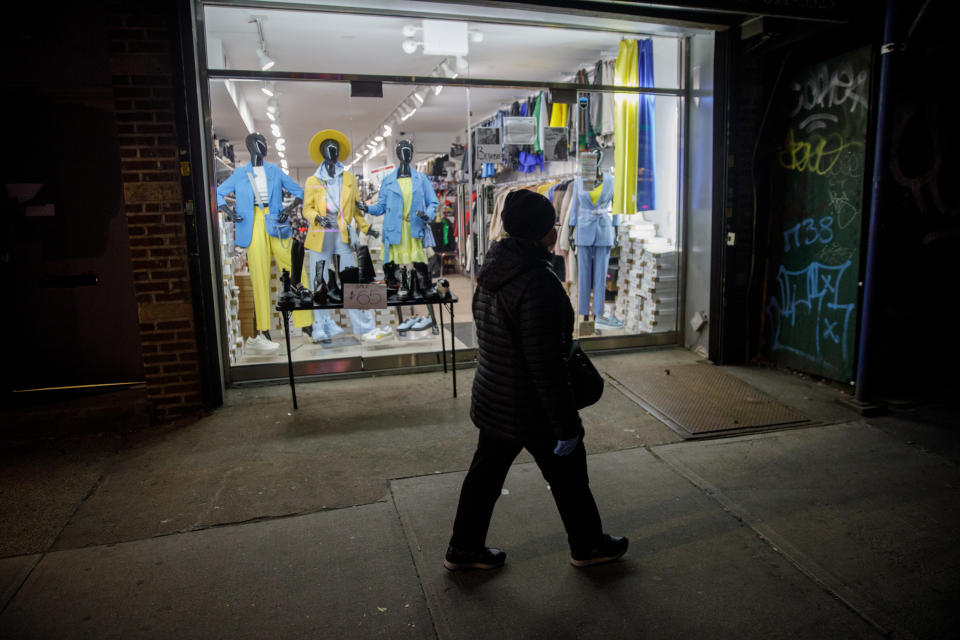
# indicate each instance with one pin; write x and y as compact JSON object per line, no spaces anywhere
{"x":646,"y":147}
{"x":239,"y":184}
{"x":558,"y":115}
{"x":597,"y":100}
{"x":261,"y":246}
{"x":625,"y":146}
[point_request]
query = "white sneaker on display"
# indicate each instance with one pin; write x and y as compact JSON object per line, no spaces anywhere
{"x":378,"y":334}
{"x":424,"y":322}
{"x":332,"y":328}
{"x":409,"y":322}
{"x":261,"y":346}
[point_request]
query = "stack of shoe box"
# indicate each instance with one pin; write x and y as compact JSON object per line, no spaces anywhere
{"x":629,"y":306}
{"x":231,"y":292}
{"x":658,"y":286}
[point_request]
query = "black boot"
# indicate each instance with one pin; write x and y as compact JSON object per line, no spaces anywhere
{"x":365,"y":265}
{"x":334,"y":292}
{"x":302,"y":296}
{"x":286,"y":298}
{"x":426,"y":285}
{"x":390,"y":275}
{"x":319,"y":286}
{"x":350,"y":275}
{"x":403,"y":293}
{"x":416,"y":293}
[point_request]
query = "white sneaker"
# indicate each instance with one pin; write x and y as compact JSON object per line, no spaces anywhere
{"x":409,"y":322}
{"x":261,"y":346}
{"x":378,"y":335}
{"x":424,"y":322}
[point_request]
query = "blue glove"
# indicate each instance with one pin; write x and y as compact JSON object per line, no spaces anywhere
{"x":566,"y":447}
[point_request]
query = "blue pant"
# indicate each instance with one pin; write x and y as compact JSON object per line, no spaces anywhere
{"x":591,"y":273}
{"x":362,"y":320}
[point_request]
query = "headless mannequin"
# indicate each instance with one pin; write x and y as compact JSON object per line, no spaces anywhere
{"x":598,"y":182}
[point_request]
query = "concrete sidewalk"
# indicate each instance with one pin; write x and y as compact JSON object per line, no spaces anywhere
{"x":332,"y":521}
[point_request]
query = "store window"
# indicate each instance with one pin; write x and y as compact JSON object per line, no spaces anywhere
{"x":524,"y":114}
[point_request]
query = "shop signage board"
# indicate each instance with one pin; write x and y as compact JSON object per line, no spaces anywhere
{"x":555,"y":144}
{"x":519,"y":130}
{"x":364,"y":296}
{"x":817,"y":174}
{"x":489,"y":148}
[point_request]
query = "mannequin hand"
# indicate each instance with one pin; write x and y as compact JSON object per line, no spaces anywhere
{"x":231,"y":214}
{"x":324,"y":221}
{"x":566,"y":447}
{"x":363,"y":207}
{"x":423,"y":216}
{"x":373,"y":233}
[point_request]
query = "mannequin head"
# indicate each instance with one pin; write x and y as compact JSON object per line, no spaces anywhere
{"x":257,"y":146}
{"x":330,"y":149}
{"x":404,"y":151}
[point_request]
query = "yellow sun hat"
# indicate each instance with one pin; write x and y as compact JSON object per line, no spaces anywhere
{"x":328,"y":134}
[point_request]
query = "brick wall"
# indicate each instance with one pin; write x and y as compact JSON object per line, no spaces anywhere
{"x":143,"y":88}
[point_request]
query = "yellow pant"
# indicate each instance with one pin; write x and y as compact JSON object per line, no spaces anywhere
{"x":627,"y":74}
{"x":262,"y":246}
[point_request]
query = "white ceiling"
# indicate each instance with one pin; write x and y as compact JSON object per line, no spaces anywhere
{"x":323,"y":42}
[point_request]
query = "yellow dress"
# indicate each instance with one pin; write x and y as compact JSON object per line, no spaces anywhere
{"x":410,"y":249}
{"x":625,"y":130}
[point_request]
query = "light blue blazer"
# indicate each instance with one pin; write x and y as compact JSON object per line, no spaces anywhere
{"x":239,"y":184}
{"x":390,"y":204}
{"x":595,"y":226}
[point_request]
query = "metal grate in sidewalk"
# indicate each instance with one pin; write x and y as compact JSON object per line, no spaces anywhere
{"x":700,"y":400}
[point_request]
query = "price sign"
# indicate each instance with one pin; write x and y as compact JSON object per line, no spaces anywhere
{"x":364,"y":296}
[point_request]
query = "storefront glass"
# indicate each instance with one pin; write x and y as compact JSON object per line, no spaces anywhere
{"x":610,"y":161}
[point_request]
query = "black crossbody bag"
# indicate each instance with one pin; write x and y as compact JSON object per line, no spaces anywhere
{"x":585,"y":380}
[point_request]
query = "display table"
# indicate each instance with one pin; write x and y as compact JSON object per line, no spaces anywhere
{"x":448,"y":302}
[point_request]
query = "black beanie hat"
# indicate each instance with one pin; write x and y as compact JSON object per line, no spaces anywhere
{"x":527,"y":214}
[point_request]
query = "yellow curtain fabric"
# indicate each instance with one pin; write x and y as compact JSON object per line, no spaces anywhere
{"x":625,"y":130}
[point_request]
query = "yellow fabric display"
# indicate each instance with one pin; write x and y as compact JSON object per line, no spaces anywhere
{"x":410,"y":249}
{"x":262,"y":247}
{"x":315,"y":203}
{"x":558,"y":115}
{"x":625,"y":130}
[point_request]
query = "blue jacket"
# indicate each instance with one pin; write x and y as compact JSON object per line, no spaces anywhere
{"x":390,"y":203}
{"x":239,"y":184}
{"x":595,"y":226}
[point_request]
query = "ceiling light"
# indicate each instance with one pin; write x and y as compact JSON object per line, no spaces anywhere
{"x":387,"y":131}
{"x":447,"y":71}
{"x":272,"y":117}
{"x":281,"y":154}
{"x":462,"y":64}
{"x":266,"y":62}
{"x":437,"y":89}
{"x":281,"y":147}
{"x":418,"y":96}
{"x":475,"y":36}
{"x":275,"y":130}
{"x":272,"y":105}
{"x":281,"y":141}
{"x":270,"y":88}
{"x":410,"y":30}
{"x":410,"y":45}
{"x":406,"y":117}
{"x":378,"y":138}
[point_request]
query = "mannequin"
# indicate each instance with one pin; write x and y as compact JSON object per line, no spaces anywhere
{"x":408,"y":203}
{"x":334,"y":219}
{"x":596,"y":236}
{"x":261,"y":228}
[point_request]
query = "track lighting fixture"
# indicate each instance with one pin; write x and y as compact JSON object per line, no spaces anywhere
{"x":266,"y":62}
{"x":269,"y":89}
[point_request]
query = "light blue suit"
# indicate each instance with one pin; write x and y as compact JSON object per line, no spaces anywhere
{"x":596,"y":231}
{"x":239,"y":184}
{"x":390,"y":204}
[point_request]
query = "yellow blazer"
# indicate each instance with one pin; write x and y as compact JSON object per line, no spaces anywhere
{"x":315,"y":204}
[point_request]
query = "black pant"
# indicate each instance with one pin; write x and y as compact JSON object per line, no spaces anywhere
{"x":566,"y":475}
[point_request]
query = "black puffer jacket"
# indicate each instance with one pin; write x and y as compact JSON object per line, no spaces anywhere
{"x":521,"y":391}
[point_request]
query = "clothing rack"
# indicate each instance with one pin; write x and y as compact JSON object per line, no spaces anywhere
{"x":554,"y":178}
